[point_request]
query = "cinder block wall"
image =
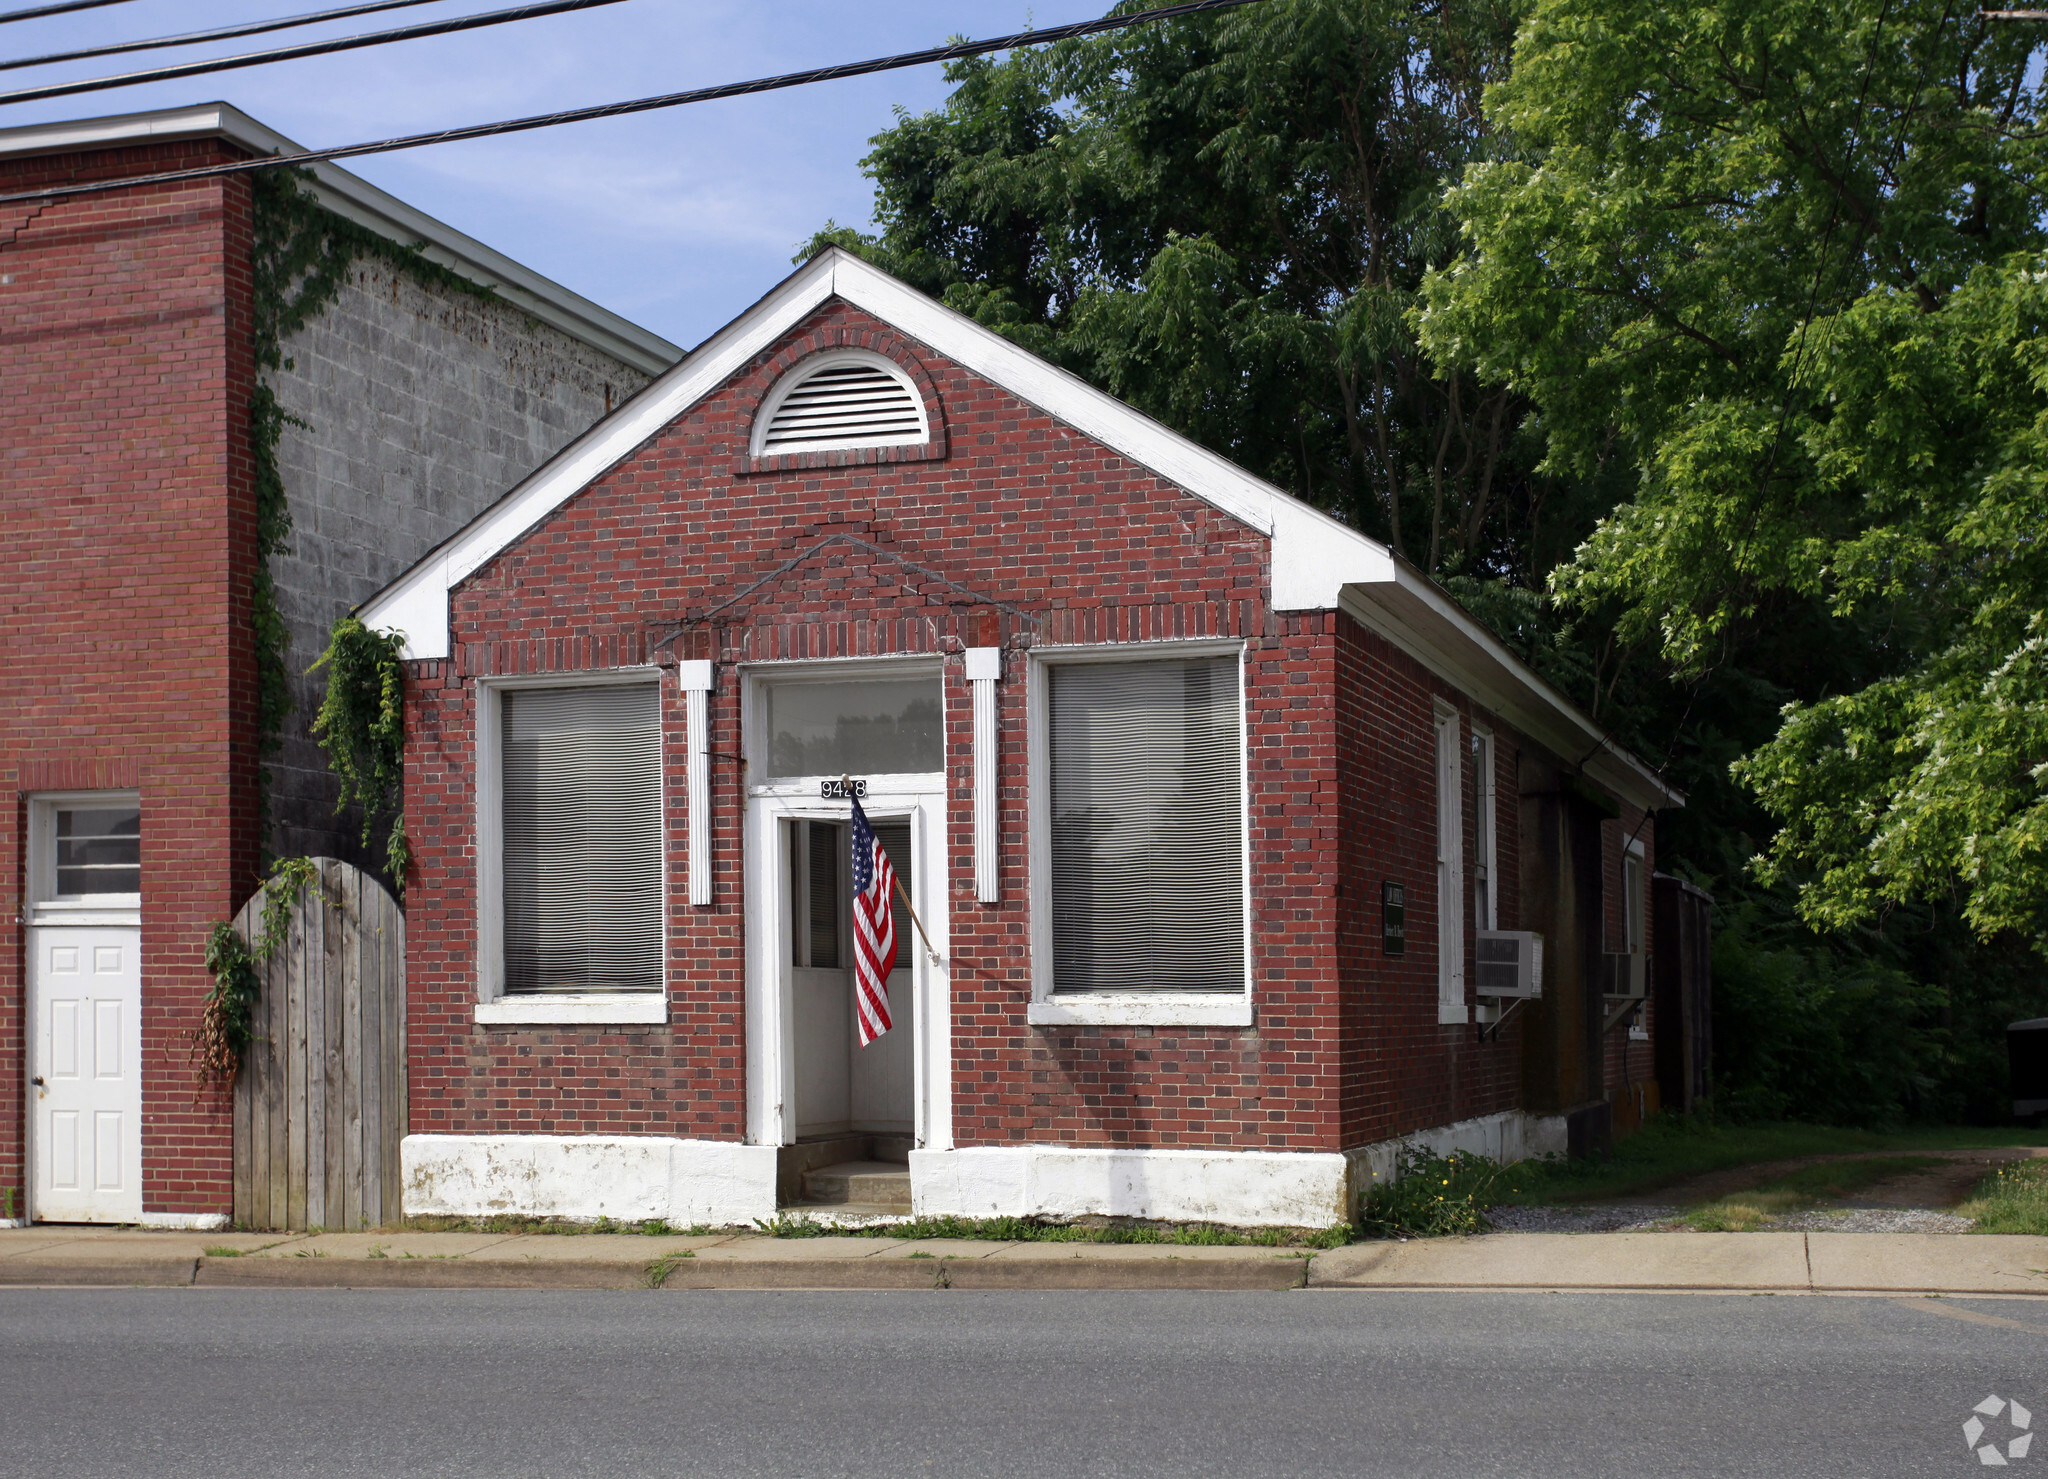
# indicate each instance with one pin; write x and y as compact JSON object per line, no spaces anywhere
{"x":422,"y":406}
{"x":124,"y":576}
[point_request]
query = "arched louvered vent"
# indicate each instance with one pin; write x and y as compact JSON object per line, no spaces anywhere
{"x":845,"y":402}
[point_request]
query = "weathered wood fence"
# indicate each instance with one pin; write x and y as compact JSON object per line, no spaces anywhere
{"x":320,"y":1100}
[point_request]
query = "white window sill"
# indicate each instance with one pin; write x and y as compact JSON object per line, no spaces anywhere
{"x":522,"y":1011}
{"x":1447,"y":1016}
{"x":1142,"y":1009}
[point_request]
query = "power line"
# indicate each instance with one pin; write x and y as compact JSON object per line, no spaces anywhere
{"x":221,"y":33}
{"x":37,"y":12}
{"x":647,"y":105}
{"x":303,"y":49}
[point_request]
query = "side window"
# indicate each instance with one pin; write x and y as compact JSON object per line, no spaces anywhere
{"x":581,"y":839}
{"x":1485,"y":903}
{"x":1146,"y":826}
{"x":1450,"y":869}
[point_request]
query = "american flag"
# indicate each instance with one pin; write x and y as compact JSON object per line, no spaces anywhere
{"x":874,"y":929}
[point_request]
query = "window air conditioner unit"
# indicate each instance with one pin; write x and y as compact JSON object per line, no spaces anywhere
{"x":1508,"y":963}
{"x":1625,"y":975}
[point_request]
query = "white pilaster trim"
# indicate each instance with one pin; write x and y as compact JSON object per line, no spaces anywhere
{"x":694,"y":678}
{"x":984,"y":670}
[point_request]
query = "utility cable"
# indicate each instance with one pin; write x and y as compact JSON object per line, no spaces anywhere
{"x":646,"y":105}
{"x":65,"y":7}
{"x":219,"y":33}
{"x":303,"y":49}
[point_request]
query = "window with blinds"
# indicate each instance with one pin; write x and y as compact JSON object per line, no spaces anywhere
{"x":580,"y":772}
{"x":1147,"y":826}
{"x":844,"y":403}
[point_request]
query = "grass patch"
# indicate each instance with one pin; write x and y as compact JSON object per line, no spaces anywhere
{"x":1674,"y":1148}
{"x":1035,"y":1230}
{"x":2012,"y":1199}
{"x":512,"y":1224}
{"x":222,"y":1252}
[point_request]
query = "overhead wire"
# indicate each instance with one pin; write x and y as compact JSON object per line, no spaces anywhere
{"x":950,"y":52}
{"x":303,"y":49}
{"x":63,"y":7}
{"x":219,"y":33}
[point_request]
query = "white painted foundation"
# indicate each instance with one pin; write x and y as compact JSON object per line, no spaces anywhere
{"x":183,"y":1221}
{"x":629,"y":1178}
{"x":1238,"y":1188}
{"x":1511,"y":1135}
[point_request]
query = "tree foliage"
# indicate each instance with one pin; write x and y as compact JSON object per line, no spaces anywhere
{"x":1225,"y":220}
{"x":1778,"y":266}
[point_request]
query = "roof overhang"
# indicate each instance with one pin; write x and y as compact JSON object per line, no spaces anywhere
{"x":375,"y":210}
{"x":1318,"y":563}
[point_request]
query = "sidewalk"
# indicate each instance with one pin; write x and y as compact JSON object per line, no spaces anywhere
{"x":1779,"y":1263}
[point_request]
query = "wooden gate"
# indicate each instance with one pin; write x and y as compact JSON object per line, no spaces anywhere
{"x":320,"y":1100}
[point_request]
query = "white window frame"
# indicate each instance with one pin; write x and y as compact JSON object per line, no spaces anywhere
{"x":493,"y":1007}
{"x":1635,"y":911}
{"x":1136,"y":1008}
{"x":43,"y":907}
{"x":756,"y":678}
{"x":801,"y":371}
{"x":1485,"y":834}
{"x":1450,"y":868}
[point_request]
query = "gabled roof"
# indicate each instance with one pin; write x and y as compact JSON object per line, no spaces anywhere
{"x":359,"y":201}
{"x":1318,"y":564}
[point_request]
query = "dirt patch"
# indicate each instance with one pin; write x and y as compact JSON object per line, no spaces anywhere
{"x":1936,"y":1187}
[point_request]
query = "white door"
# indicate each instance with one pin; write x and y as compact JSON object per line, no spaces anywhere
{"x":86,"y":1084}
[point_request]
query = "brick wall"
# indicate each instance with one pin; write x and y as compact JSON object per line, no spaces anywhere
{"x":420,"y":406}
{"x":1029,"y":535}
{"x":124,"y":326}
{"x":1402,"y":1070}
{"x":1045,"y":538}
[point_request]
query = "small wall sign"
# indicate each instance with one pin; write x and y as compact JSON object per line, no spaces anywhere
{"x":843,"y":790}
{"x":1393,"y":918}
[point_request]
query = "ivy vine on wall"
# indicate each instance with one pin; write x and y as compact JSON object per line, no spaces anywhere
{"x":227,"y":1022}
{"x":361,"y":725}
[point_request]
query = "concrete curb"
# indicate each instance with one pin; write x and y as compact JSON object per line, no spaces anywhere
{"x":1079,"y":1272}
{"x":155,"y":1273}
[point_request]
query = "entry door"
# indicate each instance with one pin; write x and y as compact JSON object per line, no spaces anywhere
{"x":86,"y":1088}
{"x":840,"y":1087}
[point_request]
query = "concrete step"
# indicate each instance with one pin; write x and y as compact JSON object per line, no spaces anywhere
{"x":882,"y":1185}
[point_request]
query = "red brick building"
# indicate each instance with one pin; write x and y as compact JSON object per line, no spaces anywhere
{"x":1230,"y":836}
{"x":130,"y":751}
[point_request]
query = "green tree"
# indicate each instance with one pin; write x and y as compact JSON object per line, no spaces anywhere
{"x":1225,"y":220}
{"x":1776,"y":267}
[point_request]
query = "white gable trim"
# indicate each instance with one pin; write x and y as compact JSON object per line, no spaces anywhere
{"x":1318,"y":563}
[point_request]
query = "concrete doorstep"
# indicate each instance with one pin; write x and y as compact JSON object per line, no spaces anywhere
{"x":1766,"y":1262}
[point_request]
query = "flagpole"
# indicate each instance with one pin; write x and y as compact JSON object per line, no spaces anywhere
{"x":846,"y":783}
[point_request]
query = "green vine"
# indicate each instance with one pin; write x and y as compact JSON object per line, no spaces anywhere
{"x":361,"y":725}
{"x":227,"y":1021}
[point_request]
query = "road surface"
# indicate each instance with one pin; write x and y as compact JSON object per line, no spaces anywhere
{"x":223,"y":1383}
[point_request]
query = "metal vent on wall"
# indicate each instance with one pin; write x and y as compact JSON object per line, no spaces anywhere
{"x":853,"y":403}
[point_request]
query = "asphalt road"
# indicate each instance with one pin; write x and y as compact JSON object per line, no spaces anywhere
{"x":223,"y":1383}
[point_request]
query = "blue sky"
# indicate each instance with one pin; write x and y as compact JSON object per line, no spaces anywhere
{"x":676,"y":219}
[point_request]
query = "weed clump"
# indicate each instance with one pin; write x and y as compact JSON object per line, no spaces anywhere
{"x":1430,"y":1196}
{"x":2012,"y":1199}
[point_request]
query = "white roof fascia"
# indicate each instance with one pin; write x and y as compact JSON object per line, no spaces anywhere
{"x":375,"y":210}
{"x":1419,"y":618}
